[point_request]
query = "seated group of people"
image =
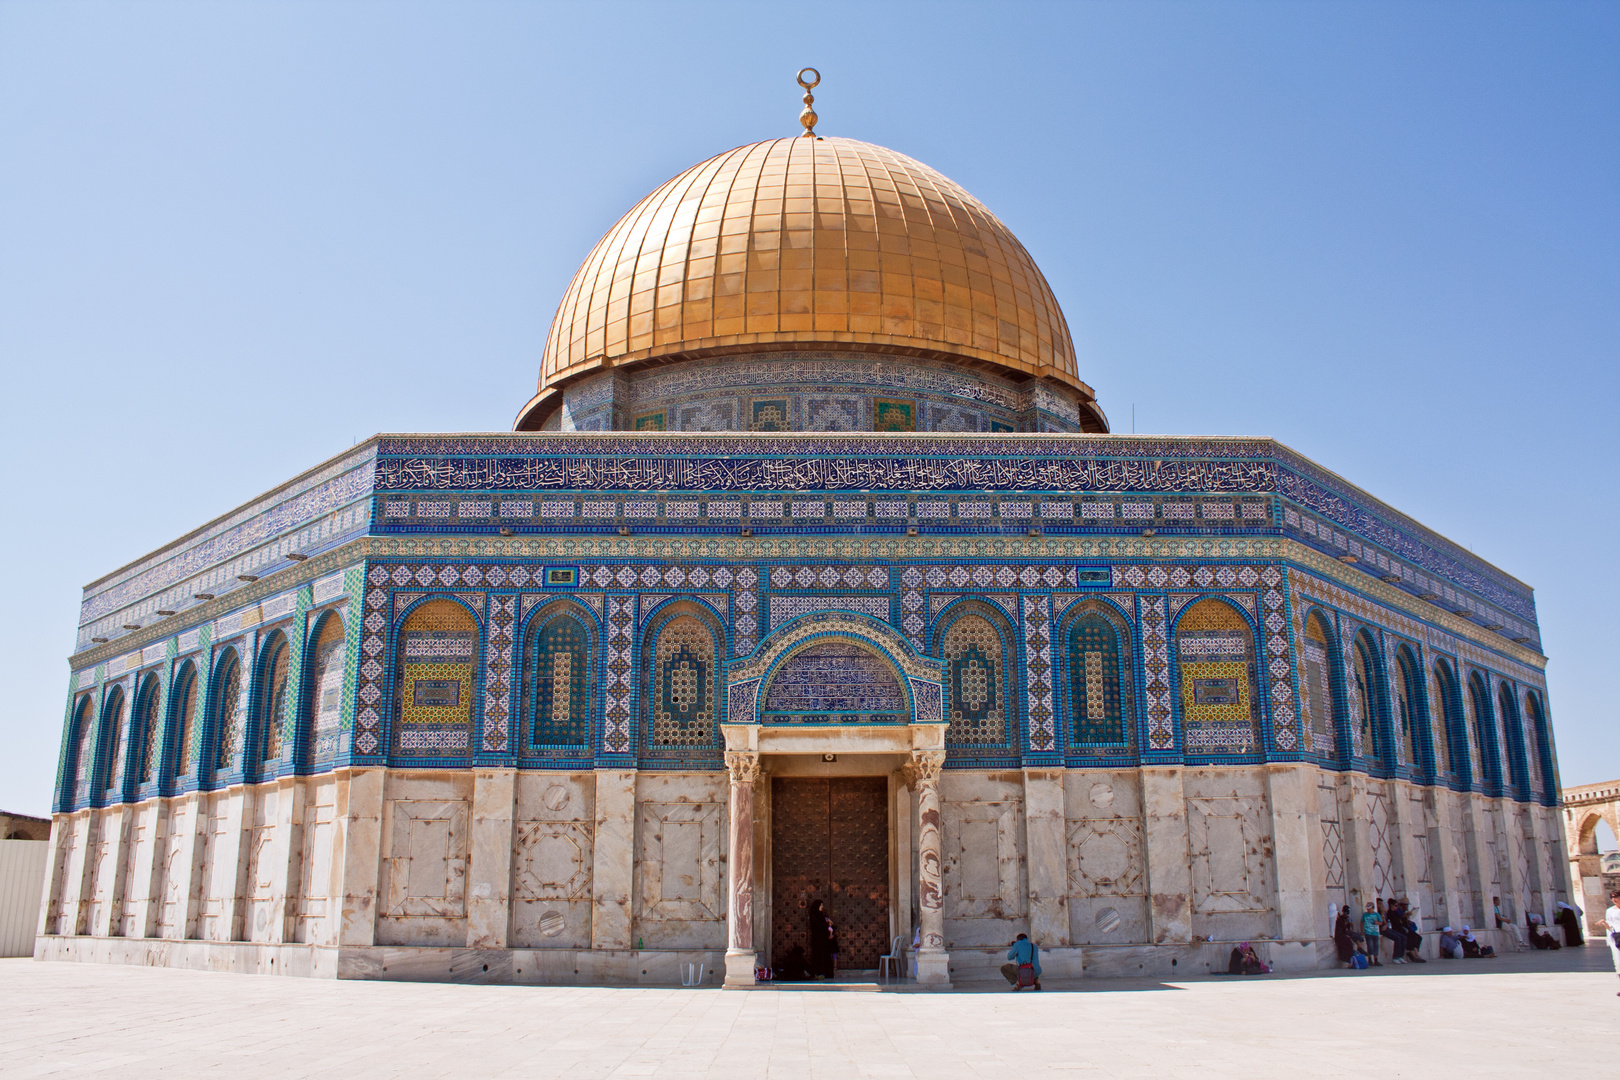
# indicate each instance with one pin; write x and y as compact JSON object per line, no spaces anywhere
{"x":1462,"y":946}
{"x":1395,"y":920}
{"x":1244,"y":961}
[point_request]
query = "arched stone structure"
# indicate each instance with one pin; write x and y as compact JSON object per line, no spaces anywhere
{"x":1584,"y":807}
{"x":747,"y":683}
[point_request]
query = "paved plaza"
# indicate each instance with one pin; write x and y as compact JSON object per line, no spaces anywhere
{"x":1523,"y":1015}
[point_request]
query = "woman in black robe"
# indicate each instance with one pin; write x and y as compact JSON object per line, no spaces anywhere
{"x":820,"y":953}
{"x":1342,"y":938}
{"x":1571,"y":923}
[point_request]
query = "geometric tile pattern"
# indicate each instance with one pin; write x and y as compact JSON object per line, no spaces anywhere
{"x":1285,"y":733}
{"x":620,"y":694}
{"x":1156,"y":672}
{"x":498,"y":673}
{"x":369,"y":694}
{"x":1038,"y":669}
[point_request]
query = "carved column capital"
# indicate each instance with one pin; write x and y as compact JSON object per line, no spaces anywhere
{"x":923,"y":769}
{"x":744,"y":767}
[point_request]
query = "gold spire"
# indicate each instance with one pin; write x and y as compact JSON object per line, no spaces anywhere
{"x":808,"y":117}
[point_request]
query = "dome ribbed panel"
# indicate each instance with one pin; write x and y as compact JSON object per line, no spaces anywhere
{"x":809,"y":242}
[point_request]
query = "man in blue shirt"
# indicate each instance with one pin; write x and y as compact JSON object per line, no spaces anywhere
{"x":1023,"y":954}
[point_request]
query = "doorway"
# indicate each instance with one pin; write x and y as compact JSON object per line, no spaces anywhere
{"x":830,"y":842}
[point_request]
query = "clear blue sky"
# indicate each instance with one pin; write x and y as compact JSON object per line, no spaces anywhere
{"x":235,"y":238}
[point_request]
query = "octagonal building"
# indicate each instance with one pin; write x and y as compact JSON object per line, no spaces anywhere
{"x":810,"y":571}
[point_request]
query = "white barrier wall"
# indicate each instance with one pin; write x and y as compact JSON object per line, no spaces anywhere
{"x":22,"y":888}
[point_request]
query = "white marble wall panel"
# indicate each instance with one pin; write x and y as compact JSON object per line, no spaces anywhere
{"x":982,"y":855}
{"x":174,"y":875}
{"x":422,"y":886}
{"x":552,"y":860}
{"x":262,"y":871}
{"x":112,"y":836}
{"x":217,"y":880}
{"x":680,"y":871}
{"x":1230,"y":847}
{"x":314,"y":918}
{"x":1107,"y":858}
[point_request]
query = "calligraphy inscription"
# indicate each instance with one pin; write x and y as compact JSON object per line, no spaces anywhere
{"x":818,"y":474}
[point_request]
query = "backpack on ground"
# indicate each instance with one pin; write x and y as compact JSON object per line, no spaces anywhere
{"x":1359,"y":961}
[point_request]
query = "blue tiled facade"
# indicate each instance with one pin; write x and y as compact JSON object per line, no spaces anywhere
{"x":1078,"y":557}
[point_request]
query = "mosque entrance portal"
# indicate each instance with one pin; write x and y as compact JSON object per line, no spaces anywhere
{"x":830,"y":842}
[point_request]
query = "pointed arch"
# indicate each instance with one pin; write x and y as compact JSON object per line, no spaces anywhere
{"x":558,"y":686}
{"x":974,"y":640}
{"x":76,"y":770}
{"x":227,"y":724}
{"x":321,"y":713}
{"x":1489,"y":774}
{"x":1322,"y":686}
{"x":1446,"y":704}
{"x":437,"y":665}
{"x":270,"y":703}
{"x":1541,"y":733}
{"x":681,"y":656}
{"x":1411,"y":713}
{"x":183,"y":718}
{"x":114,"y":745}
{"x":1219,"y":689}
{"x":1097,"y":647}
{"x":1512,"y":726}
{"x":1369,"y":703}
{"x":146,"y":728}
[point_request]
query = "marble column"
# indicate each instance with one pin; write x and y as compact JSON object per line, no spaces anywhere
{"x":933,"y":962}
{"x":740,"y":953}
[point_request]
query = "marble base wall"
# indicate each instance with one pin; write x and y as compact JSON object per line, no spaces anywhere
{"x":581,"y":876}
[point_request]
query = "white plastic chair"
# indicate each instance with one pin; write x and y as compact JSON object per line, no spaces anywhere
{"x":895,"y":957}
{"x":693,"y":974}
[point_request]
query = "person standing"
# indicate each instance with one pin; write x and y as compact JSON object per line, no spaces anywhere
{"x":1570,"y":921}
{"x":1344,"y":938}
{"x":820,"y":940}
{"x":1611,"y":923}
{"x":1371,"y":923}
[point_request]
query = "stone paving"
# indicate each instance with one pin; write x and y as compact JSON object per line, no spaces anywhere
{"x":1523,"y":1015}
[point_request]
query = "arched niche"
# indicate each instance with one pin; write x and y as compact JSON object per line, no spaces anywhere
{"x":835,"y":679}
{"x":1321,"y":686}
{"x":436,"y":676}
{"x":1219,"y":688}
{"x":917,"y":678}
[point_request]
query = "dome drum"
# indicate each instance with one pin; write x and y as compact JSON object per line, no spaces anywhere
{"x":814,"y":390}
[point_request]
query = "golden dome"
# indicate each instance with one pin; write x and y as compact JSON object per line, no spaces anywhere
{"x":807,"y":242}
